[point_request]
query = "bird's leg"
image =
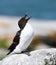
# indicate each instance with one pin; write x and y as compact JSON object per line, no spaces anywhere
{"x":23,"y":52}
{"x":26,"y":52}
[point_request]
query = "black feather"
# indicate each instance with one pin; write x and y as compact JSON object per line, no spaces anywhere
{"x":15,"y":42}
{"x":22,"y":22}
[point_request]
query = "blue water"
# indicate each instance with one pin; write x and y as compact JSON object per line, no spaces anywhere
{"x":39,"y":9}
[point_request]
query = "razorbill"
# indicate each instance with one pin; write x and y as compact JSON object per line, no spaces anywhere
{"x":23,"y":37}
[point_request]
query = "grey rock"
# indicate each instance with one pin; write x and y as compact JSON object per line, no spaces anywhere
{"x":37,"y":57}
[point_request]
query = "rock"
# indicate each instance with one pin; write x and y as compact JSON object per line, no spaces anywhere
{"x":37,"y":57}
{"x":0,"y":62}
{"x":3,"y":52}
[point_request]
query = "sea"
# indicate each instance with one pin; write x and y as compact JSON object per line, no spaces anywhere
{"x":38,"y":9}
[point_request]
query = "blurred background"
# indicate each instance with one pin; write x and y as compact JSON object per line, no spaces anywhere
{"x":43,"y":21}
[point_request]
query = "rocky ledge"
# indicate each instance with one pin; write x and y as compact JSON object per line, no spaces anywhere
{"x":37,"y":57}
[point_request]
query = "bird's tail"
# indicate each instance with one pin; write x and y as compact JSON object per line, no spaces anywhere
{"x":8,"y":52}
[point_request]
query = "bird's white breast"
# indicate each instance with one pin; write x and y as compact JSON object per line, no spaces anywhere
{"x":25,"y":38}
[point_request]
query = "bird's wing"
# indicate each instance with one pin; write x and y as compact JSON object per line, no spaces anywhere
{"x":12,"y":46}
{"x":15,"y":41}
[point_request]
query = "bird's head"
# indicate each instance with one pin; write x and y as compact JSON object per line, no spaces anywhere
{"x":22,"y":22}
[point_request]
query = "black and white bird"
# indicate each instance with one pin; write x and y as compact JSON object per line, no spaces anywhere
{"x":23,"y":37}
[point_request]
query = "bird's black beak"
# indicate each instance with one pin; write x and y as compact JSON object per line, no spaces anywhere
{"x":27,"y":18}
{"x":25,"y":15}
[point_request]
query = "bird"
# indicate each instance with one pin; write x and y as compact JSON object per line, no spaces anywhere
{"x":23,"y":37}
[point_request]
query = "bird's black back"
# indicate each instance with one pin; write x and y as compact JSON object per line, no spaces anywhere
{"x":16,"y":41}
